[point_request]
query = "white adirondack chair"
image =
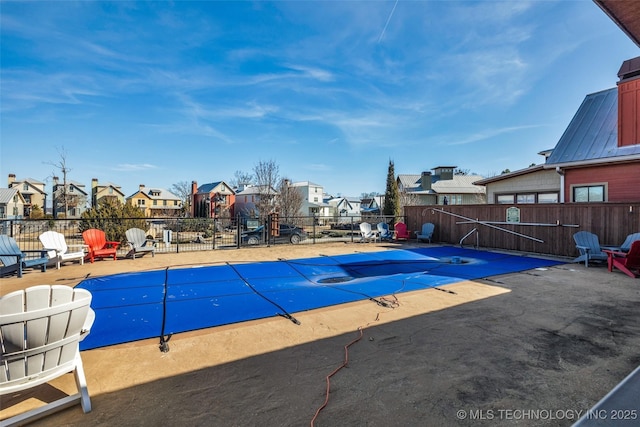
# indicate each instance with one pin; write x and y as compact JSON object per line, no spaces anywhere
{"x":58,"y":251}
{"x":40,"y":328}
{"x":138,"y":242}
{"x":366,"y":233}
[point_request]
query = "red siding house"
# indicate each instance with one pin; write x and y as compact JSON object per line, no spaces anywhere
{"x":597,"y":159}
{"x":598,"y":156}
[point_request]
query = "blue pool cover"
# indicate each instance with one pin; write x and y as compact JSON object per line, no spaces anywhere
{"x":159,"y":303}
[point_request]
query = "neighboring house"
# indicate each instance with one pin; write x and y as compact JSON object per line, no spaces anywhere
{"x":597,"y":158}
{"x":155,"y":202}
{"x":371,"y":205}
{"x":248,"y":199}
{"x":312,"y":199}
{"x":11,"y":204}
{"x":76,"y":199}
{"x":343,"y":209}
{"x":215,"y":199}
{"x":106,"y":191}
{"x":442,"y":187}
{"x":32,"y":192}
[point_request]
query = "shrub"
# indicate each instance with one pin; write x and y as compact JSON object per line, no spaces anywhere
{"x":114,"y":218}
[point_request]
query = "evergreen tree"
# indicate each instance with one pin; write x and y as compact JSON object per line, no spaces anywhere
{"x":114,"y":218}
{"x":391,"y":195}
{"x":36,"y":212}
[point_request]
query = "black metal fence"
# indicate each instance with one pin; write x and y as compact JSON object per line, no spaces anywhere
{"x":174,"y":235}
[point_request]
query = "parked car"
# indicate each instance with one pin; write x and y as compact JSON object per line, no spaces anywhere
{"x":288,"y":234}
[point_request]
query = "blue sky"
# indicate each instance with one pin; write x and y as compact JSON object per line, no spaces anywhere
{"x":157,"y":93}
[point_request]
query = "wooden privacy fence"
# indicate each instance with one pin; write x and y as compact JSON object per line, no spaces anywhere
{"x":549,"y":229}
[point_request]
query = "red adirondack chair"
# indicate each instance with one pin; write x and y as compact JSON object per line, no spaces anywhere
{"x":99,"y":247}
{"x":627,"y":262}
{"x":401,"y":231}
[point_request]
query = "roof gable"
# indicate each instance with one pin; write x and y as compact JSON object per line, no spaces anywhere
{"x":31,"y":183}
{"x":217,"y":187}
{"x":410,"y":181}
{"x":7,"y":195}
{"x":75,"y":187}
{"x":104,"y":189}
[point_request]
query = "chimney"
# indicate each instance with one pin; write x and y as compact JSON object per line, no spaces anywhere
{"x":141,"y":187}
{"x":194,"y":191}
{"x":629,"y":103}
{"x":94,"y":182}
{"x":12,"y":179}
{"x":444,"y":173}
{"x":425,"y":181}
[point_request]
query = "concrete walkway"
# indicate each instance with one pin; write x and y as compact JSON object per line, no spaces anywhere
{"x":534,"y":348}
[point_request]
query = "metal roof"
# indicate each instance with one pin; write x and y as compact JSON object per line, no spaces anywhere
{"x":206,"y":188}
{"x":6,"y":195}
{"x":460,"y":184}
{"x":410,"y":181}
{"x":256,"y":190}
{"x":162,"y":194}
{"x":592,"y":134}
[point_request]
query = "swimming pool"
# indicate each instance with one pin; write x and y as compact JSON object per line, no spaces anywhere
{"x":159,"y":303}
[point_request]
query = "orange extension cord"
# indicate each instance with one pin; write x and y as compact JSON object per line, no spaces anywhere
{"x":392,"y":304}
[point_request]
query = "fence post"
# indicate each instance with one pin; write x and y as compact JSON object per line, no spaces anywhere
{"x":351,"y":230}
{"x":178,"y":235}
{"x":315,"y":220}
{"x":238,"y":231}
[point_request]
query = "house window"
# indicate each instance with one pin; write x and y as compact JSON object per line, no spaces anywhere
{"x":526,"y":198}
{"x":155,"y":203}
{"x":547,"y":197}
{"x":164,"y":203}
{"x":451,"y":199}
{"x":110,"y":190}
{"x":25,"y":187}
{"x":588,"y":193}
{"x":140,"y":202}
{"x":510,"y":199}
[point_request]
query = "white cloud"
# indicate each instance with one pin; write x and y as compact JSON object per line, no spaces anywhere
{"x":131,"y":167}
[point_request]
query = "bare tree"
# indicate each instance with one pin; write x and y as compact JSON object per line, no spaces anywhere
{"x":266,"y":174}
{"x":241,"y":178}
{"x":289,"y":201}
{"x":60,"y":194}
{"x":182,"y":189}
{"x":407,"y":199}
{"x":369,"y":195}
